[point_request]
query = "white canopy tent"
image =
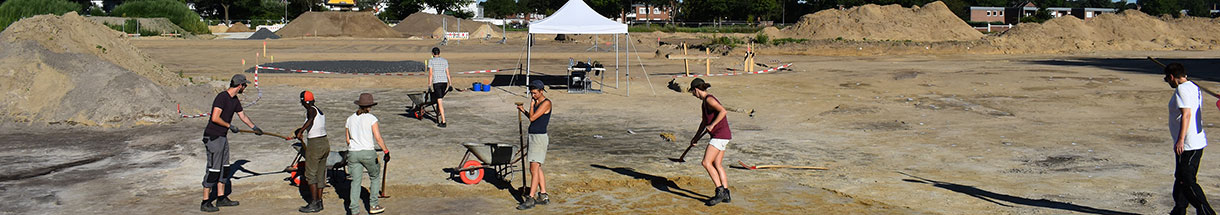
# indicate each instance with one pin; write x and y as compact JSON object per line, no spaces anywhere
{"x":576,"y":17}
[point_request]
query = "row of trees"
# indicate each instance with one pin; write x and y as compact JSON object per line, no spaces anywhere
{"x":792,"y":10}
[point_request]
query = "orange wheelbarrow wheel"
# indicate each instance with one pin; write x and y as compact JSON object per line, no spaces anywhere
{"x":472,"y":176}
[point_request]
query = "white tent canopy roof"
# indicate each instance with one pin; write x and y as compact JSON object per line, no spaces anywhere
{"x":576,"y":17}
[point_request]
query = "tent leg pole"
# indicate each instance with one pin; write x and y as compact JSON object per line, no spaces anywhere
{"x":529,"y":51}
{"x":628,"y":65}
{"x":616,"y":61}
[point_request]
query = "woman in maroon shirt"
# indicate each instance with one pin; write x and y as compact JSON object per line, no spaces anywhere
{"x":714,"y":123}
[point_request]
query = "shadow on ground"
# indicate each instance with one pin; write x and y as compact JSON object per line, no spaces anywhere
{"x":657,"y":182}
{"x":1195,"y":67}
{"x":1001,"y":199}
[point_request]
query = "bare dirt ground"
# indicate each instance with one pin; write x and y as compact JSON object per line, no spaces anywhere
{"x":917,"y":134}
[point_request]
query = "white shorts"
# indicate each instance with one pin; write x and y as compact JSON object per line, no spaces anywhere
{"x":719,"y":143}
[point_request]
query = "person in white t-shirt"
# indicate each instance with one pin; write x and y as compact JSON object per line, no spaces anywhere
{"x":362,"y":130}
{"x":1185,"y":120}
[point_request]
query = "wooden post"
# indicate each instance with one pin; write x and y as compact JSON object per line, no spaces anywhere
{"x":685,"y":62}
{"x":708,"y":52}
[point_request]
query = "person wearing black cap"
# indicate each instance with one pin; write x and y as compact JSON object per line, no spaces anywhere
{"x":362,"y":131}
{"x":539,"y":116}
{"x":715,"y":122}
{"x":438,"y":76}
{"x":317,"y":148}
{"x":216,"y":142}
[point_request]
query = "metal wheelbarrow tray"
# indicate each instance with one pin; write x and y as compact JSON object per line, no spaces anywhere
{"x":499,"y":157}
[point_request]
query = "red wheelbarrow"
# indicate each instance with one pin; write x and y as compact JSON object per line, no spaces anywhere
{"x":497,"y":156}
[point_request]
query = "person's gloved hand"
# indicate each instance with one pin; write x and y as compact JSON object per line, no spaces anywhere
{"x":387,"y":156}
{"x":233,"y":128}
{"x":258,"y":131}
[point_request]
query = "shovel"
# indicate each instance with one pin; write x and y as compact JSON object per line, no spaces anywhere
{"x":682,"y":158}
{"x":743,"y":165}
{"x":1209,"y":92}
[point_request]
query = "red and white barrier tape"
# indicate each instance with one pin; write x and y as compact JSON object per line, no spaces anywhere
{"x":191,"y":116}
{"x":739,"y":73}
{"x":372,"y":74}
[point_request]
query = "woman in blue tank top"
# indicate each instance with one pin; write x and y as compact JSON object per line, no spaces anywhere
{"x":540,"y":115}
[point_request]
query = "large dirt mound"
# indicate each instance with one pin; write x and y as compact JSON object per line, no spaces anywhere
{"x":337,"y":24}
{"x":426,"y":25}
{"x":67,"y":69}
{"x":1129,"y":30}
{"x":238,"y":27}
{"x":933,"y":22}
{"x":161,"y":25}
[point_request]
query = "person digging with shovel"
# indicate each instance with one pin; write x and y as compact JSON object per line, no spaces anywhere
{"x":317,"y":148}
{"x":216,"y":142}
{"x":362,"y":130}
{"x":716,"y":123}
{"x":539,"y":116}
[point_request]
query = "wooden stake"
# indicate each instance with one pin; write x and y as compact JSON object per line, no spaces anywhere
{"x":708,"y":52}
{"x":685,"y":62}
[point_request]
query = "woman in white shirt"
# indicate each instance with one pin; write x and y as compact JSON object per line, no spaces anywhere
{"x":362,"y":130}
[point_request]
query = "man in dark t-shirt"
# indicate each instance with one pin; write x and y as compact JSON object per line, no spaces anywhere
{"x":215,"y":140}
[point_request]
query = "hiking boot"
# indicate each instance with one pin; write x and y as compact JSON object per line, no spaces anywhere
{"x":207,"y":206}
{"x":542,"y":199}
{"x":526,"y":203}
{"x":442,"y":125}
{"x":716,"y":199}
{"x":376,"y":210}
{"x":224,"y":201}
{"x":312,"y":207}
{"x":727,"y":198}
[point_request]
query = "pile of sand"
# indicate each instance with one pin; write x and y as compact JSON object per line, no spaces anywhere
{"x":933,"y":22}
{"x":161,"y":25}
{"x":338,"y":24}
{"x":238,"y":28}
{"x":218,"y":28}
{"x":67,"y":69}
{"x":1129,"y":30}
{"x":429,"y":25}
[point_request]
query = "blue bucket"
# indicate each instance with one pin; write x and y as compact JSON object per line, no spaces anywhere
{"x":486,"y":88}
{"x":476,"y":86}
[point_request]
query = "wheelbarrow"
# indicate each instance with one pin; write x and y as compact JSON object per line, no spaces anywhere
{"x":419,"y":102}
{"x":335,"y":161}
{"x":499,"y":157}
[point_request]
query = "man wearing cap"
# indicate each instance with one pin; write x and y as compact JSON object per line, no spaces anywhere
{"x":540,"y":116}
{"x":438,"y":75}
{"x":216,"y":142}
{"x":317,"y":147}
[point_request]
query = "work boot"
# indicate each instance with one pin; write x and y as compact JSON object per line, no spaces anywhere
{"x":727,"y":198}
{"x":716,"y":199}
{"x":206,"y":206}
{"x":542,"y":199}
{"x":312,"y":207}
{"x":442,"y":125}
{"x":526,"y":203}
{"x":224,"y":201}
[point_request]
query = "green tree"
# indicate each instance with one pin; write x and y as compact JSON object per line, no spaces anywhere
{"x":441,"y":6}
{"x":13,"y":10}
{"x":400,"y":9}
{"x":1160,"y":7}
{"x":499,"y":8}
{"x":174,"y":10}
{"x":1197,"y":8}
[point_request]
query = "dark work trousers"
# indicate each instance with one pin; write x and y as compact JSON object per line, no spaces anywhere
{"x":1186,"y":190}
